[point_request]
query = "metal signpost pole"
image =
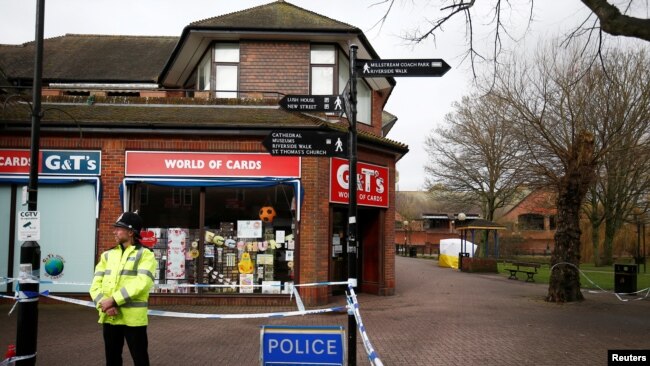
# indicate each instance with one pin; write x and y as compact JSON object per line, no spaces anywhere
{"x":352,"y":210}
{"x":30,"y":251}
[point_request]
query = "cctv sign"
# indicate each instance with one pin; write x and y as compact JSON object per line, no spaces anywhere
{"x":29,"y":226}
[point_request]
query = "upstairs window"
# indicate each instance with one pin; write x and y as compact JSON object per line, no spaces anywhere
{"x":323,"y":62}
{"x":203,"y":74}
{"x":226,"y":61}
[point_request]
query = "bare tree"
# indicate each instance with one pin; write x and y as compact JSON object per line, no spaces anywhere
{"x":616,"y":18}
{"x":475,"y":154}
{"x":624,"y":178}
{"x":566,"y":120}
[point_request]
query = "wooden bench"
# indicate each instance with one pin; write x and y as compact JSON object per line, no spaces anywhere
{"x":530,"y":269}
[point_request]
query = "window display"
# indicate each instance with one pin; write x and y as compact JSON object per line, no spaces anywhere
{"x":246,"y":244}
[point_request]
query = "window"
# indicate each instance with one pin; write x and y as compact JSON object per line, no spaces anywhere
{"x":323,"y":61}
{"x":226,"y":59}
{"x":364,"y":97}
{"x":203,"y":74}
{"x":211,"y":252}
{"x":330,"y":73}
{"x":531,"y":222}
{"x":552,"y":222}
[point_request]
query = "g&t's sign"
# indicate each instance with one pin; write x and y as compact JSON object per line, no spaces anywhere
{"x":52,"y":162}
{"x":372,"y":183}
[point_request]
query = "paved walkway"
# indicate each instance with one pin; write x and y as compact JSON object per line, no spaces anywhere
{"x":438,"y":317}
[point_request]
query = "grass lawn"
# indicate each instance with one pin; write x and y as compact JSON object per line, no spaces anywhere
{"x":603,"y":277}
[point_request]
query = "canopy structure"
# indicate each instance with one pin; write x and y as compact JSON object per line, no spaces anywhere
{"x":471,"y":226}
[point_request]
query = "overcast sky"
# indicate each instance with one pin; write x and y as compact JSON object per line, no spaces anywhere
{"x":419,"y":103}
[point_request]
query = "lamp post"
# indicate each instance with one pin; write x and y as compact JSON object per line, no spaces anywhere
{"x":405,"y":225}
{"x":463,"y":242}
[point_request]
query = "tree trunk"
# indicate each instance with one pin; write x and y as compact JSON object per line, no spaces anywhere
{"x":595,"y":239}
{"x":608,"y":245}
{"x":564,"y":284}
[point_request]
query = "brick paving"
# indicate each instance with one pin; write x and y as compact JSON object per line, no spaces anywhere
{"x":438,"y":317}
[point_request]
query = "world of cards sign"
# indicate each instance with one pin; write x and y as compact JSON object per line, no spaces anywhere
{"x":307,"y":143}
{"x":399,"y":68}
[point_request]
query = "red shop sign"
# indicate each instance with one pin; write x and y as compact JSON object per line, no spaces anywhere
{"x":16,"y":161}
{"x":372,"y":183}
{"x":210,"y":165}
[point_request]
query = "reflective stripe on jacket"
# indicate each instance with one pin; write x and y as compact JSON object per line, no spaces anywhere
{"x":127,"y":276}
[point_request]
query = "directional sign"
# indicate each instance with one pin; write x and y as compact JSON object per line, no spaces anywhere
{"x":313,"y":103}
{"x":302,"y":345}
{"x":393,"y":68}
{"x":29,"y":226}
{"x":307,"y":143}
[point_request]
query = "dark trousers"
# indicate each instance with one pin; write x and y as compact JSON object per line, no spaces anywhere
{"x":136,"y":339}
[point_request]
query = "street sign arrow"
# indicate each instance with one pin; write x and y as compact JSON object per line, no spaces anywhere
{"x":307,"y":143}
{"x":313,"y":103}
{"x":400,"y":68}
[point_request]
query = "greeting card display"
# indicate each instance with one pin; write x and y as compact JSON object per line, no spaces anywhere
{"x":176,"y":248}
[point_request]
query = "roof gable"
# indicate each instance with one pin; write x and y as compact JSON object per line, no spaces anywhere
{"x":278,"y":15}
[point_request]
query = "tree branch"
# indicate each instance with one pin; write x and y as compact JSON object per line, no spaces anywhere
{"x":617,"y":24}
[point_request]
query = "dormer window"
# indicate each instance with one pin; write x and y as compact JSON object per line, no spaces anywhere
{"x":323,"y":62}
{"x":226,"y":61}
{"x":330,"y":72}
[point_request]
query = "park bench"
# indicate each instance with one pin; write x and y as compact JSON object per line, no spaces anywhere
{"x":530,"y":269}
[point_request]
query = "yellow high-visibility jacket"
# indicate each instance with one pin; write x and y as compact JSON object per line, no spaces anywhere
{"x":127,"y":276}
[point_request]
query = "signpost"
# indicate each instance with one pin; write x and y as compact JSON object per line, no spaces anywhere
{"x":395,"y":68}
{"x":307,"y":143}
{"x":302,"y":345}
{"x":313,"y":103}
{"x":347,"y":103}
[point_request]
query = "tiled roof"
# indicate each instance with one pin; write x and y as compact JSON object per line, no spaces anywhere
{"x":87,"y":58}
{"x":278,"y":15}
{"x":73,"y":112}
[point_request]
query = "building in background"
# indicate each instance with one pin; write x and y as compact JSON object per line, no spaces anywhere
{"x":173,"y":127}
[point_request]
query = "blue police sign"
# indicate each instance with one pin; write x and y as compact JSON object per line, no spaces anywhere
{"x":300,"y":345}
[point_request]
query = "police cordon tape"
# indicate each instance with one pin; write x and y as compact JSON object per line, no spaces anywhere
{"x":12,"y":360}
{"x":353,"y":306}
{"x":26,"y":296}
{"x":603,"y":291}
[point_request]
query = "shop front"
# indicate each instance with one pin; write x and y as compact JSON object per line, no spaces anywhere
{"x":372,"y":201}
{"x":68,"y":192}
{"x":218,"y":223}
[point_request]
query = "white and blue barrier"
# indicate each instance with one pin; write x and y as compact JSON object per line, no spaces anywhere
{"x":352,"y":306}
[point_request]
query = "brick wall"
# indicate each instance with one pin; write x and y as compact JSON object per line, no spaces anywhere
{"x":281,"y":67}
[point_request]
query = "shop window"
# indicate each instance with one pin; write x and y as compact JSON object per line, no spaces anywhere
{"x":234,"y":245}
{"x":531,"y":222}
{"x":226,"y":59}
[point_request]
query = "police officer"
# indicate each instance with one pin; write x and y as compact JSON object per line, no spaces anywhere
{"x":120,"y":289}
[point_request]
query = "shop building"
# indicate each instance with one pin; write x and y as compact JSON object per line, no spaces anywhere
{"x":173,"y":127}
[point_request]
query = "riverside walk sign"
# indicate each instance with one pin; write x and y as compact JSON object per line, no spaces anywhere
{"x":401,"y":68}
{"x":307,"y":143}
